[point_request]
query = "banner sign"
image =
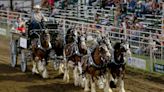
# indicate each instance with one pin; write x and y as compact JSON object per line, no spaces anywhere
{"x":137,"y":63}
{"x":23,"y":42}
{"x":159,"y":68}
{"x":2,"y":31}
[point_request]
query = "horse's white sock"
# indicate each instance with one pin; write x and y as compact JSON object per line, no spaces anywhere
{"x":40,"y":65}
{"x":82,"y":81}
{"x":93,"y":87}
{"x":67,"y":75}
{"x":86,"y":85}
{"x":64,"y":77}
{"x":100,"y":83}
{"x":34,"y":69}
{"x":61,"y":69}
{"x":45,"y":73}
{"x":50,"y":46}
{"x":107,"y":88}
{"x":121,"y":88}
{"x":75,"y":76}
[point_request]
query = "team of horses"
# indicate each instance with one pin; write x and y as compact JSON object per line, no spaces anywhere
{"x":101,"y":64}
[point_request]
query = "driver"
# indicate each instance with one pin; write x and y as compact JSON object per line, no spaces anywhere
{"x":37,"y":18}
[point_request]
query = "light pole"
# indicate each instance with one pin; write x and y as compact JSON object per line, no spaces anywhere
{"x":11,"y":4}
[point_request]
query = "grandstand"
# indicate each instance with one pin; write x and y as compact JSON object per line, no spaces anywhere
{"x":139,"y":29}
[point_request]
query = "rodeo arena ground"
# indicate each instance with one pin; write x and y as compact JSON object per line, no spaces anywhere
{"x":81,"y":46}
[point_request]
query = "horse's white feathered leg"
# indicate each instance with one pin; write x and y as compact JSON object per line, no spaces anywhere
{"x":67,"y":75}
{"x":100,"y":83}
{"x":61,"y":68}
{"x":34,"y":69}
{"x":65,"y":71}
{"x":121,"y":88}
{"x":40,"y":65}
{"x":82,"y":81}
{"x":106,"y":81}
{"x":75,"y":76}
{"x":45,"y":72}
{"x":86,"y":88}
{"x":93,"y":86}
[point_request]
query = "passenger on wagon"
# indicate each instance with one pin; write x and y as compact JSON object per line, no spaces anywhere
{"x":37,"y":18}
{"x":20,"y":25}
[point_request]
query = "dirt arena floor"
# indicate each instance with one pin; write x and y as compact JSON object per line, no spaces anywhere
{"x":12,"y":80}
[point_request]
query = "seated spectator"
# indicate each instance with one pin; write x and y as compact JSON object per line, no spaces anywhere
{"x":140,"y":50}
{"x":105,"y":21}
{"x":16,"y":7}
{"x":141,"y":9}
{"x":3,"y":7}
{"x":132,"y":5}
{"x":97,"y":19}
{"x":108,"y":3}
{"x":54,"y":12}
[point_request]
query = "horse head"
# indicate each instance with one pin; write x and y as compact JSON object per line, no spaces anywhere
{"x":119,"y":52}
{"x":104,"y":52}
{"x":105,"y":40}
{"x":71,"y":35}
{"x":45,"y":40}
{"x":126,"y":45}
{"x":82,"y":44}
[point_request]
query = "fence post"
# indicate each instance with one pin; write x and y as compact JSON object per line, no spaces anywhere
{"x":8,"y":27}
{"x":64,"y":29}
{"x":162,"y":40}
{"x":151,"y":52}
{"x":124,"y":27}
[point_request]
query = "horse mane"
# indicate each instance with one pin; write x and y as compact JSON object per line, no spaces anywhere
{"x":58,"y":44}
{"x":69,"y":31}
{"x":117,"y":45}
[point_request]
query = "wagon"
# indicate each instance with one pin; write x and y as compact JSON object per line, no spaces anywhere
{"x":19,"y":50}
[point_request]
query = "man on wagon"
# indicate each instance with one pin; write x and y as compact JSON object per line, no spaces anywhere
{"x":37,"y":18}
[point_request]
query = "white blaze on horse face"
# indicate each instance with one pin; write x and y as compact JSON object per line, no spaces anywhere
{"x":109,"y":44}
{"x":127,"y":47}
{"x":107,"y":52}
{"x":83,"y":44}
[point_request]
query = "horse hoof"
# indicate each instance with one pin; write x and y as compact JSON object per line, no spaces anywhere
{"x":86,"y":90}
{"x":112,"y":84}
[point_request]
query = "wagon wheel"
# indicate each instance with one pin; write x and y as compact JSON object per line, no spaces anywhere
{"x":23,"y":63}
{"x":13,"y":53}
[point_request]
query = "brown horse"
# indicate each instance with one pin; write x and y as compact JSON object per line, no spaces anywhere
{"x":40,"y":50}
{"x":74,"y":50}
{"x":56,"y":53}
{"x":117,"y":67}
{"x":96,"y":64}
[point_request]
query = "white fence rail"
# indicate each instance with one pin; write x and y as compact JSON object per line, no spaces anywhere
{"x":83,"y":22}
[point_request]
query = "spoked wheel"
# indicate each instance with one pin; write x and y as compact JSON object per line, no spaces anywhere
{"x":13,"y":53}
{"x":23,"y":63}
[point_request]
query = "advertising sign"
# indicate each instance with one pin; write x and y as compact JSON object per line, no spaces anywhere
{"x":2,"y":31}
{"x":137,"y":63}
{"x":159,"y":68}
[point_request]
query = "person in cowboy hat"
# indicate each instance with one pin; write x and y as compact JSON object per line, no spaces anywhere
{"x":37,"y":18}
